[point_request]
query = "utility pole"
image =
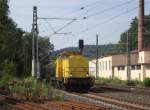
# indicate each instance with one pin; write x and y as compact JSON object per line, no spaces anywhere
{"x":35,"y":33}
{"x":24,"y":54}
{"x":97,"y":69}
{"x":37,"y":50}
{"x":128,"y":59}
{"x":141,"y":26}
{"x":37,"y":59}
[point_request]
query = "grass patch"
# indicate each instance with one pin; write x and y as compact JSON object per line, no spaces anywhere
{"x":146,"y":82}
{"x":57,"y":95}
{"x":30,"y":88}
{"x":117,"y":81}
{"x":102,"y":81}
{"x":5,"y":79}
{"x":34,"y":90}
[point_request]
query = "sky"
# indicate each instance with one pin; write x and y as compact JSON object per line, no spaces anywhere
{"x":107,"y":18}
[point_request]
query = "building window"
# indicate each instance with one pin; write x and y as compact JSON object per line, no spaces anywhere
{"x":133,"y":67}
{"x":103,"y":65}
{"x":138,"y":67}
{"x":141,"y":59}
{"x":100,"y":65}
{"x":121,"y":67}
{"x":148,"y":66}
{"x":106,"y":65}
{"x":109,"y":65}
{"x":118,"y":68}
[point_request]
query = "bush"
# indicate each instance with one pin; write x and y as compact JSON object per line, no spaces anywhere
{"x":35,"y":90}
{"x":17,"y":89}
{"x":117,"y":81}
{"x":110,"y":81}
{"x":102,"y":81}
{"x":8,"y":68}
{"x":134,"y":83}
{"x":5,"y":79}
{"x":39,"y":89}
{"x":146,"y":82}
{"x":57,"y":95}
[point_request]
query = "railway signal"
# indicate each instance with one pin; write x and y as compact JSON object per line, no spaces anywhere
{"x":81,"y":45}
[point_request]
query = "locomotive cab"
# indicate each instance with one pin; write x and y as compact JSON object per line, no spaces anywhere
{"x":72,"y":70}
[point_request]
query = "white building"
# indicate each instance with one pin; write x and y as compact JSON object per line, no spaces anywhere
{"x":116,"y":66}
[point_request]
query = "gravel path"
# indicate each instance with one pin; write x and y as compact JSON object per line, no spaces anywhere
{"x":139,"y":98}
{"x":128,"y":96}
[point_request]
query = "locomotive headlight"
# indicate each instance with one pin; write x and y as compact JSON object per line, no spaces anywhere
{"x":87,"y":74}
{"x":70,"y":74}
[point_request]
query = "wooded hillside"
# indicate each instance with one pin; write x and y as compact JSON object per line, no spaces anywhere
{"x":16,"y":46}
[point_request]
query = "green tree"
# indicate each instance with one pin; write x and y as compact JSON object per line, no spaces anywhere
{"x":16,"y":46}
{"x":133,"y":34}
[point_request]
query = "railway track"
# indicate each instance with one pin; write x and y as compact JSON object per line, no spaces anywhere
{"x":18,"y":104}
{"x":135,"y":95}
{"x":103,"y":102}
{"x":106,"y":102}
{"x":77,"y":101}
{"x":124,"y":104}
{"x":120,"y":99}
{"x":132,"y":95}
{"x":49,"y":105}
{"x":134,"y":89}
{"x":13,"y":104}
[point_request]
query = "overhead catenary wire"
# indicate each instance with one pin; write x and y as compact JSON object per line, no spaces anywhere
{"x":74,"y":12}
{"x":55,"y":18}
{"x":66,"y":25}
{"x":75,"y":19}
{"x":91,"y":4}
{"x":68,"y":34}
{"x":101,"y":12}
{"x":114,"y":16}
{"x":95,"y":14}
{"x":111,"y":8}
{"x":107,"y":9}
{"x":108,"y":20}
{"x":82,"y":8}
{"x":50,"y":25}
{"x":61,"y":28}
